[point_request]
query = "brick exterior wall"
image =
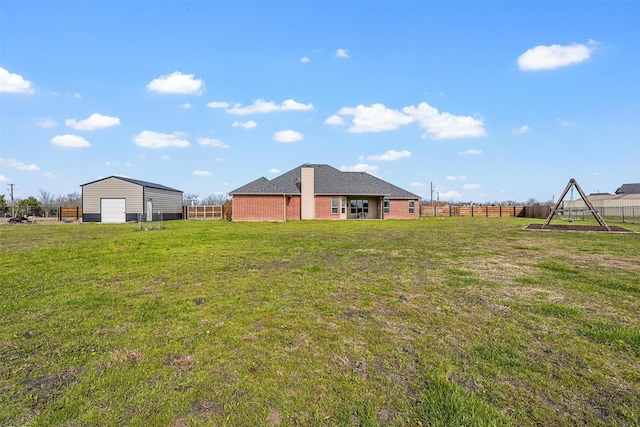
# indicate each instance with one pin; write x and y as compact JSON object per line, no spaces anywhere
{"x":293,"y":208}
{"x":271,"y":208}
{"x":323,"y":207}
{"x":258,"y":208}
{"x":399,"y":209}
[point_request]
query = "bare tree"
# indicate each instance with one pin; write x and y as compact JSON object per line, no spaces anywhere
{"x":48,"y":202}
{"x":215,"y":199}
{"x":190,"y":199}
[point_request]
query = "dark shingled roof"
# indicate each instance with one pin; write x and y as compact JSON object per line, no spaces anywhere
{"x":629,"y":189}
{"x":329,"y":181}
{"x":137,"y":182}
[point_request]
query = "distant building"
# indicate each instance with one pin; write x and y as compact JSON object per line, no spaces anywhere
{"x":319,"y":191}
{"x":117,"y":199}
{"x":627,"y":196}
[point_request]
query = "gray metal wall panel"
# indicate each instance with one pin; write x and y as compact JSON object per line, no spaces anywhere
{"x":165,"y":201}
{"x":111,"y":188}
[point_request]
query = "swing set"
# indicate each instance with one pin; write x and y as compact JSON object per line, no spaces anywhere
{"x":572,"y":213}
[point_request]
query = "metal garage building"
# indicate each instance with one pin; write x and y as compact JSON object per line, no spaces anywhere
{"x":117,"y":199}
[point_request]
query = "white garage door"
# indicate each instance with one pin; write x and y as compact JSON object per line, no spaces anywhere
{"x":113,"y":210}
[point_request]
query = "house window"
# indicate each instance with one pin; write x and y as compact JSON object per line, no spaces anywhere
{"x":412,"y":206}
{"x":360,"y":207}
{"x":343,"y":206}
{"x":386,"y":205}
{"x":334,"y":206}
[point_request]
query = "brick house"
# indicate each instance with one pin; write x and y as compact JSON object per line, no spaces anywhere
{"x":319,"y":191}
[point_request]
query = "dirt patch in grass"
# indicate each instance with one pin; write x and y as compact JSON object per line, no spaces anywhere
{"x":498,"y":270}
{"x":274,"y":418}
{"x":47,"y":388}
{"x":181,"y":362}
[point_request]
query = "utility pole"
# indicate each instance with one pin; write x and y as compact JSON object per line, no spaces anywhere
{"x":12,"y":206}
{"x":431,"y":193}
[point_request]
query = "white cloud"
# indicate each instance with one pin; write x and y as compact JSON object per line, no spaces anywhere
{"x":342,"y":53}
{"x":50,"y":175}
{"x":72,"y":141}
{"x":245,"y":125}
{"x":4,"y":178}
{"x":522,"y":129}
{"x":444,"y":125}
{"x":455,"y":178}
{"x":472,"y":186}
{"x":177,"y":82}
{"x":211,"y":142}
{"x":376,"y":118}
{"x":334,"y":120}
{"x":46,"y":122}
{"x":288,"y":136}
{"x":417,"y":184}
{"x":165,"y":157}
{"x":470,"y":152}
{"x":202,"y":173}
{"x":449,"y":195}
{"x":274,"y":170}
{"x":390,"y":155}
{"x":360,"y":167}
{"x":149,"y":139}
{"x":305,"y":59}
{"x":261,"y":106}
{"x":95,"y":121}
{"x":217,"y":104}
{"x":555,"y":56}
{"x":379,"y":118}
{"x":187,"y":106}
{"x":18,"y":165}
{"x":14,"y":83}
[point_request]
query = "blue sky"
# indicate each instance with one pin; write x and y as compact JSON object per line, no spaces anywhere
{"x":487,"y":100}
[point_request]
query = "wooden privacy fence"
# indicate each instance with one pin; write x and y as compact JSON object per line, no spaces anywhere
{"x":203,"y":212}
{"x":69,"y":212}
{"x":485,"y":211}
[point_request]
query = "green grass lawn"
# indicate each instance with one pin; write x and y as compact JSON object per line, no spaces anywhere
{"x":455,"y":321}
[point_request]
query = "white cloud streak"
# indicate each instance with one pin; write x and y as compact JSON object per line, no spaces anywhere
{"x":18,"y":165}
{"x":245,"y":125}
{"x":555,"y":56}
{"x":522,"y":129}
{"x":177,"y":83}
{"x":287,"y":136}
{"x":261,"y":106}
{"x":14,"y":83}
{"x":202,"y":173}
{"x":342,"y":53}
{"x":212,"y":142}
{"x":472,"y":186}
{"x":95,"y":121}
{"x":47,"y":123}
{"x":390,"y":155}
{"x":150,"y":139}
{"x":449,"y":195}
{"x":70,"y":141}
